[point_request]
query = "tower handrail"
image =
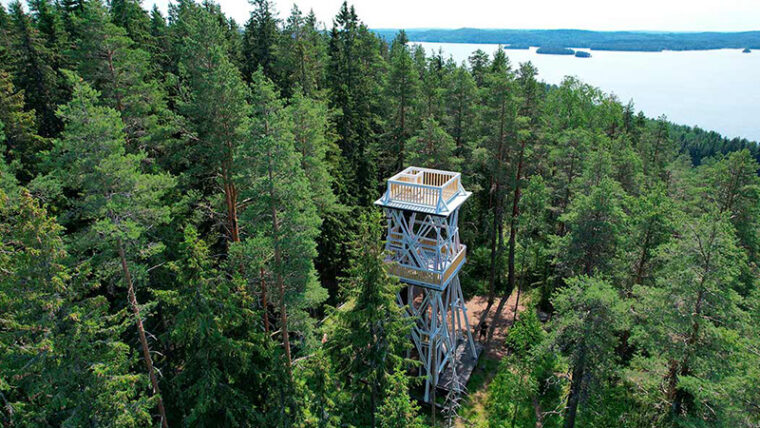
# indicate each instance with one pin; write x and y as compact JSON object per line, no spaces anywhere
{"x":409,"y":186}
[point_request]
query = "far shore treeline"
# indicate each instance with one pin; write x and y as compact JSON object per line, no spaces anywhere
{"x":646,"y":41}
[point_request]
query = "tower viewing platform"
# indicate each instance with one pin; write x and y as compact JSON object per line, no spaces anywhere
{"x":422,"y":206}
{"x":424,"y":190}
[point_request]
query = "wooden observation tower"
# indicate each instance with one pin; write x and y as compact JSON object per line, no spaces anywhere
{"x":422,"y":209}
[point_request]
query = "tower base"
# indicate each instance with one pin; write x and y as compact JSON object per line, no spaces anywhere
{"x":465,"y":365}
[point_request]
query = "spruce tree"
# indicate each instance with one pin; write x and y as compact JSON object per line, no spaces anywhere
{"x":260,"y":41}
{"x":221,"y":355}
{"x":33,"y":70}
{"x":461,"y":93}
{"x":117,"y":204}
{"x":369,"y":339}
{"x":63,"y":361}
{"x":397,"y":410}
{"x":353,"y":87}
{"x":21,"y":142}
{"x":401,"y":92}
{"x":130,"y":15}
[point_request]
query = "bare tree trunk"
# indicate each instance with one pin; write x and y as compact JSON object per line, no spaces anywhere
{"x":575,"y":390}
{"x":264,"y":303}
{"x":278,"y":265}
{"x":513,"y":220}
{"x":143,"y":339}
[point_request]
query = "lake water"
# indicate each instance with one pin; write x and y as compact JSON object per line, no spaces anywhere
{"x":716,"y":90}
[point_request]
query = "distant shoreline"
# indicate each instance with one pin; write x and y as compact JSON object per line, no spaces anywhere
{"x":621,"y":41}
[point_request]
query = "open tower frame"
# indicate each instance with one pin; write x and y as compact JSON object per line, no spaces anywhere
{"x":423,"y":249}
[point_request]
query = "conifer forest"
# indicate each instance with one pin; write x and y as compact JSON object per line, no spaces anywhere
{"x":188,"y":236}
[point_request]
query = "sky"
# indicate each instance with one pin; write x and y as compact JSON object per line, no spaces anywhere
{"x":600,"y":15}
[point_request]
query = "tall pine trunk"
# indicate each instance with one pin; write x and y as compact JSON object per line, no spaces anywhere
{"x":143,"y":339}
{"x":278,"y":266}
{"x":576,"y":387}
{"x":496,"y":231}
{"x":264,"y":303}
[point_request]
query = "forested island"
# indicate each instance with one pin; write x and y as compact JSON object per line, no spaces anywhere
{"x":553,"y":50}
{"x":644,"y":41}
{"x":187,"y":236}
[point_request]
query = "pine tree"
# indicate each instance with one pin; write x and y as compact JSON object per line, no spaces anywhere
{"x":688,"y":322}
{"x":281,"y":210}
{"x":595,"y":223}
{"x":733,"y":185}
{"x":499,"y":108}
{"x":479,"y":64}
{"x":589,"y":315}
{"x":109,"y":59}
{"x":652,"y":224}
{"x":432,"y":147}
{"x":302,"y":56}
{"x":315,"y":141}
{"x":401,"y":93}
{"x":117,"y":203}
{"x":215,"y":107}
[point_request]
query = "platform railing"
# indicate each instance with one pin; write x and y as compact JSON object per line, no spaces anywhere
{"x":425,"y":187}
{"x":436,"y":278}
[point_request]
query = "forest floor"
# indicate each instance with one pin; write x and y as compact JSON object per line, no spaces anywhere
{"x":472,"y":413}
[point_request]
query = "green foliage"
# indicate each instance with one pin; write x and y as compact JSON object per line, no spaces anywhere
{"x":63,"y":362}
{"x":31,"y":63}
{"x":589,"y":315}
{"x":370,"y":338}
{"x":397,"y":410}
{"x":433,"y":147}
{"x":220,"y":352}
{"x":22,"y":144}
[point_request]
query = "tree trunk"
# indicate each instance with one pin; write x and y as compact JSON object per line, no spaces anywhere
{"x":278,"y":266}
{"x":141,"y":330}
{"x":513,"y":220}
{"x":681,"y":395}
{"x":264,"y":303}
{"x":575,"y":390}
{"x":492,"y":275}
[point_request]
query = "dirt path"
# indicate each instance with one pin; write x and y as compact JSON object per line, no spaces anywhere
{"x":473,"y":413}
{"x":475,"y":308}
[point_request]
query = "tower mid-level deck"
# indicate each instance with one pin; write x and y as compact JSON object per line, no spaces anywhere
{"x":424,"y":190}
